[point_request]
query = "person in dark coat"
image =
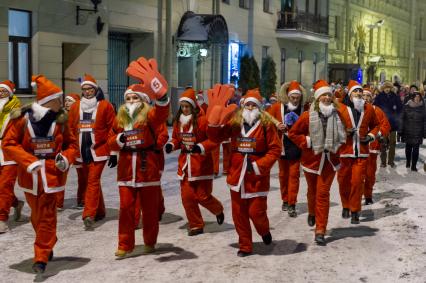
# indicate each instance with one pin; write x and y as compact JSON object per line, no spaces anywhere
{"x":413,"y":128}
{"x":391,"y":104}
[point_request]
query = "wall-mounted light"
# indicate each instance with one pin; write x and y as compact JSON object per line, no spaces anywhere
{"x":300,"y":57}
{"x":94,"y":10}
{"x":203,"y":52}
{"x":377,"y":24}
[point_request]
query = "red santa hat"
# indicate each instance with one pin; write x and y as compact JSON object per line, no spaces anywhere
{"x":353,"y":85}
{"x":253,"y":95}
{"x":273,"y":97}
{"x":321,"y":87}
{"x":9,"y":86}
{"x":294,"y":88}
{"x":189,"y":96}
{"x":367,"y":91}
{"x":73,"y":97}
{"x":137,"y":89}
{"x":46,"y":89}
{"x":89,"y":80}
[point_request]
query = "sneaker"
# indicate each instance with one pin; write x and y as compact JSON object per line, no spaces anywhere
{"x":220,"y":218}
{"x":243,"y":254}
{"x":60,"y":209}
{"x":18,"y":211}
{"x":368,"y":201}
{"x":345,"y":213}
{"x":354,"y":217}
{"x":195,"y":232}
{"x":3,"y":227}
{"x":292,"y":211}
{"x":88,"y":223}
{"x":392,"y":165}
{"x":284,"y":207}
{"x":320,"y":240}
{"x":39,"y":267}
{"x":267,"y":239}
{"x":78,"y":206}
{"x":148,"y":249}
{"x":311,"y":220}
{"x":122,"y":253}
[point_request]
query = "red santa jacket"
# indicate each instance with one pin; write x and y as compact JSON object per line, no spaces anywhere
{"x":138,"y":163}
{"x":367,"y":125}
{"x":99,"y":127}
{"x":384,"y":131}
{"x":260,"y":145}
{"x":196,"y":166}
{"x":30,"y":151}
{"x":311,"y":162}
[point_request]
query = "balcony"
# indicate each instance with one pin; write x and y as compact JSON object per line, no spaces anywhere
{"x":301,"y":26}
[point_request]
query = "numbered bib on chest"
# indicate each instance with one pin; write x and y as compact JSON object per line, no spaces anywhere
{"x":246,"y":145}
{"x":134,"y":137}
{"x":43,"y":147}
{"x":188,"y":140}
{"x":86,"y":126}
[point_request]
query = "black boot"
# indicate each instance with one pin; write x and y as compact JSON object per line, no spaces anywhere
{"x":311,"y":220}
{"x":284,"y":206}
{"x":267,"y":239}
{"x":39,"y":267}
{"x":368,"y":201}
{"x":345,"y":213}
{"x":220,"y":218}
{"x":354,"y":217}
{"x":195,"y":232}
{"x":320,"y":240}
{"x":408,"y":164}
{"x":50,"y":256}
{"x":414,"y":168}
{"x":243,"y":254}
{"x":292,"y":211}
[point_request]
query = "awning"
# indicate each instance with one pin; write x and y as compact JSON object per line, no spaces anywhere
{"x":202,"y":28}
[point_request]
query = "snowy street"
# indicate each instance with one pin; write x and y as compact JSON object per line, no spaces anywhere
{"x":388,"y":246}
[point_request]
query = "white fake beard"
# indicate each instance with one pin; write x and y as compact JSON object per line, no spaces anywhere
{"x":39,"y":111}
{"x":291,"y":106}
{"x":250,"y":116}
{"x":326,"y":110}
{"x":358,"y":104}
{"x":3,"y":102}
{"x":184,"y":119}
{"x":132,"y":107}
{"x":88,"y":105}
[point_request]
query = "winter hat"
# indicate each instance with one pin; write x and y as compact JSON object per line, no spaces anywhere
{"x":321,"y":87}
{"x":366,"y":91}
{"x":273,"y":98}
{"x":386,"y":84}
{"x":89,"y":80}
{"x":46,"y":90}
{"x":137,"y":89}
{"x":414,"y":87}
{"x":294,"y":88}
{"x":253,"y":95}
{"x":73,"y":96}
{"x":189,"y":96}
{"x":353,"y":85}
{"x":9,"y":86}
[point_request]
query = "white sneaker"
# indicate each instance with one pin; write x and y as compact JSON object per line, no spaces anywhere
{"x":3,"y":227}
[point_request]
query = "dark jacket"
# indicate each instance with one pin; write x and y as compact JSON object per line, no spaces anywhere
{"x":413,"y":126}
{"x":292,"y":152}
{"x":392,"y":106}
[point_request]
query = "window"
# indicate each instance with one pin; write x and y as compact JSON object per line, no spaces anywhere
{"x":265,"y":50}
{"x":266,"y":6}
{"x":244,"y":4}
{"x":20,"y":49}
{"x":315,"y":62}
{"x":283,"y":58}
{"x":226,"y":1}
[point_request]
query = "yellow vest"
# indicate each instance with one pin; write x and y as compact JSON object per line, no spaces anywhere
{"x":11,"y":104}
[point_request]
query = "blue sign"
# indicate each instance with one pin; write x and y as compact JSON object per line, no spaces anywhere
{"x":233,"y":63}
{"x":359,"y":76}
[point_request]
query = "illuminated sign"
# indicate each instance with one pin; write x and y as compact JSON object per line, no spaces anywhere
{"x":233,"y":63}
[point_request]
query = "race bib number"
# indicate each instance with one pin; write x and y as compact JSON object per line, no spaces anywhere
{"x":86,"y":126}
{"x":134,"y":137}
{"x":43,"y":147}
{"x":246,"y":145}
{"x":188,"y":140}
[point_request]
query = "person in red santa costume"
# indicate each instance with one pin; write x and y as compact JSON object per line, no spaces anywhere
{"x":8,"y":168}
{"x":41,"y":143}
{"x":70,"y":99}
{"x":134,"y":136}
{"x":287,"y":111}
{"x":319,"y":133}
{"x":375,"y":146}
{"x":255,"y":148}
{"x":195,"y":164}
{"x":90,"y":119}
{"x":362,"y":127}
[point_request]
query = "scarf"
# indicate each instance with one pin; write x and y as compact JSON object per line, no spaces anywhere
{"x":335,"y":133}
{"x":88,"y":105}
{"x":11,"y":104}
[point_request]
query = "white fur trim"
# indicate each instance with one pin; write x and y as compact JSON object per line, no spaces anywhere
{"x":294,"y":91}
{"x":255,"y":168}
{"x":321,"y":91}
{"x":34,"y":165}
{"x":70,"y":98}
{"x":140,"y":94}
{"x":189,"y":100}
{"x":308,"y":142}
{"x":7,"y":87}
{"x":89,"y":83}
{"x":120,"y":144}
{"x":115,"y":153}
{"x":373,"y":136}
{"x":67,"y":164}
{"x":50,"y":97}
{"x":353,"y":88}
{"x":163,"y":103}
{"x":254,"y":100}
{"x":203,"y":150}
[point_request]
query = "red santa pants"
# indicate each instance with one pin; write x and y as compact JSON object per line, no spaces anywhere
{"x":149,"y":198}
{"x":216,"y":157}
{"x":43,"y":219}
{"x":244,"y":210}
{"x":319,"y":196}
{"x":8,"y":175}
{"x":94,"y":206}
{"x":370,"y":176}
{"x":351,"y":176}
{"x":289,"y":176}
{"x":138,"y":209}
{"x":197,"y":193}
{"x":82,"y":184}
{"x":226,"y":148}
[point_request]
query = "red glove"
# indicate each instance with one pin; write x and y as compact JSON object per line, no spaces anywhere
{"x":218,"y":112}
{"x":146,"y":71}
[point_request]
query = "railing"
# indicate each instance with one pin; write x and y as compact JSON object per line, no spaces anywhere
{"x":302,"y":21}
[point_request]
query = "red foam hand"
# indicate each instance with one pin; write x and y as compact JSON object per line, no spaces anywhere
{"x":218,"y":112}
{"x":146,"y":71}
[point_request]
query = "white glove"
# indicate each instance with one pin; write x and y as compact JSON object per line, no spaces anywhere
{"x":60,"y":162}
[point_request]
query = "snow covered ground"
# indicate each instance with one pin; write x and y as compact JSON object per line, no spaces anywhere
{"x":388,"y":246}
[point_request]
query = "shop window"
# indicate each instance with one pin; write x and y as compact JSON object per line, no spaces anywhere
{"x":20,"y":49}
{"x":267,"y":6}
